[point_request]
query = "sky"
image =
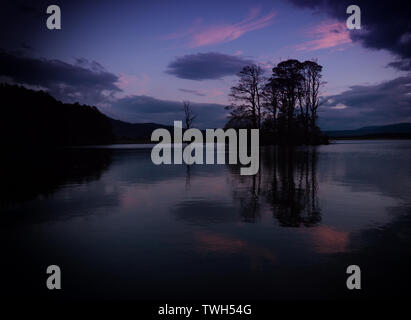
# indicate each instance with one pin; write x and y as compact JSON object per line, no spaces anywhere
{"x":138,"y":60}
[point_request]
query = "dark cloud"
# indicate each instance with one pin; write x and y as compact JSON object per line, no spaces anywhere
{"x":92,"y":65}
{"x":85,"y":81}
{"x":22,"y":21}
{"x":384,"y":103}
{"x":148,"y":109}
{"x":403,"y":65}
{"x":194,"y":92}
{"x":202,"y":66}
{"x":385,"y":24}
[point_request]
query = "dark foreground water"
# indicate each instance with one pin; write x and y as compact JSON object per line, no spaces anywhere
{"x":120,"y":227}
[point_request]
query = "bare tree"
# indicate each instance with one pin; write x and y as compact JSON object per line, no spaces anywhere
{"x":314,"y":83}
{"x":189,"y":115}
{"x":246,"y":96}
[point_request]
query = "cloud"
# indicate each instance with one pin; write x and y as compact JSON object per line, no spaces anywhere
{"x":91,"y":65}
{"x":383,"y":26}
{"x":339,"y":106}
{"x":149,"y":109}
{"x":202,"y":66}
{"x":84,"y":81}
{"x":89,"y":83}
{"x":194,"y":92}
{"x":403,"y":65}
{"x":328,"y":34}
{"x":199,"y":35}
{"x":363,"y":105}
{"x":132,"y":84}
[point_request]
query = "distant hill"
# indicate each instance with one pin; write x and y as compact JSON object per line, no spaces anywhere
{"x":391,"y":131}
{"x":134,"y":132}
{"x":35,"y":118}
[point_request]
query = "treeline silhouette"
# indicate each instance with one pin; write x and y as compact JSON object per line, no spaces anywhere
{"x":284,"y":107}
{"x":34,"y":118}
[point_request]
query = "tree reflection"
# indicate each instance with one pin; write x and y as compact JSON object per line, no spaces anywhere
{"x":246,"y":193}
{"x":293,"y":192}
{"x":286,"y":183}
{"x":31,"y":173}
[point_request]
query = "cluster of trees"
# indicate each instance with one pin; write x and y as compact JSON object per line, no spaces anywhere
{"x":34,"y":118}
{"x":284,"y":106}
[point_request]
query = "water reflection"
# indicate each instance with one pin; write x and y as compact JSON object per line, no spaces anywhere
{"x":28,"y":174}
{"x":202,"y":231}
{"x":293,"y":190}
{"x":188,"y":176}
{"x":287,"y":182}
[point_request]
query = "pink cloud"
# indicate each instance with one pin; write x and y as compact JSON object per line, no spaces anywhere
{"x":131,"y":84}
{"x":181,"y":34}
{"x":327,"y":35}
{"x":214,"y":92}
{"x":199,"y":35}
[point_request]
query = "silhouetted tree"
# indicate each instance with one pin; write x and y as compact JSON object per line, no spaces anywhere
{"x":284,"y":107}
{"x":189,"y":116}
{"x":313,"y":81}
{"x":287,"y":77}
{"x":272,"y":99}
{"x":247,"y":97}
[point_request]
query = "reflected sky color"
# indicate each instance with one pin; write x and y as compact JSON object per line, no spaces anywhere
{"x":142,"y":227}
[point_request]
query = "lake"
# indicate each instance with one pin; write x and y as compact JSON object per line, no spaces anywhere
{"x":120,"y":227}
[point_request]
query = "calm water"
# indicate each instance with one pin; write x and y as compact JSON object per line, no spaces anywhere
{"x":121,"y":227}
